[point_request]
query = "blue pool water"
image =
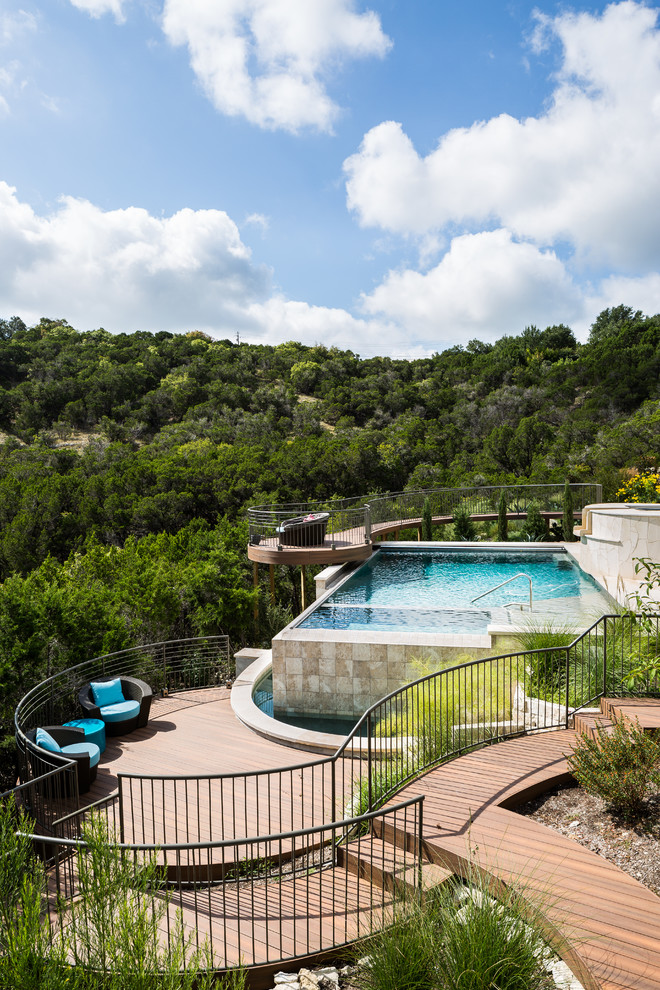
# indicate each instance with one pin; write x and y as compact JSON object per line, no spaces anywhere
{"x":433,"y":591}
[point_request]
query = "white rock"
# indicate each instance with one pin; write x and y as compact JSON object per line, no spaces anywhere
{"x":564,"y":978}
{"x":364,"y":962}
{"x":286,"y":980}
{"x":307,"y":980}
{"x":327,"y":972}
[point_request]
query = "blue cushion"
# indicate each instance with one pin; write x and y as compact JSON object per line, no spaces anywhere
{"x":107,"y":692}
{"x":121,"y":712}
{"x":76,"y":749}
{"x":46,"y":741}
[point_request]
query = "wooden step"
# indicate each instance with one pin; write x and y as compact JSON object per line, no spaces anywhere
{"x":384,"y":866}
{"x":646,"y":711}
{"x":588,"y":724}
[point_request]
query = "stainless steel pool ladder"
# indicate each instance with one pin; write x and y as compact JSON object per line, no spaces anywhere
{"x":508,"y":580}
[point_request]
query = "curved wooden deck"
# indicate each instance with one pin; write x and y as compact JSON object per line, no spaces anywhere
{"x":341,"y":548}
{"x":609,"y":923}
{"x":605,"y":923}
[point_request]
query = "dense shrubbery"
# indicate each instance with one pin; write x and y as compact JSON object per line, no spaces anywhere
{"x":619,"y":765}
{"x":641,"y":488}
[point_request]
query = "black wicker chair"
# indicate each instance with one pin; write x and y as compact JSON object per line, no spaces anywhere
{"x":43,"y":760}
{"x":133,"y":689}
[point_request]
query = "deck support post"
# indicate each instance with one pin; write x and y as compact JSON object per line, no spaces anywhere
{"x":303,"y":596}
{"x":255,"y":582}
{"x":271,"y":569}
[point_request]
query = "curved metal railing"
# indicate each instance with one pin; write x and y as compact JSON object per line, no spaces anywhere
{"x":413,"y":729}
{"x":352,"y":521}
{"x":225,"y":895}
{"x":437,"y":717}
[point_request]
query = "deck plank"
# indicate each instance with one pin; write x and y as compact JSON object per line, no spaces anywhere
{"x":611,"y":919}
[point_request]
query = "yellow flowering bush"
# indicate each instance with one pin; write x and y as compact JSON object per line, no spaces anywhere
{"x":642,"y":488}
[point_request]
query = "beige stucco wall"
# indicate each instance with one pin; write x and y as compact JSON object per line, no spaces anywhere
{"x":612,"y":539}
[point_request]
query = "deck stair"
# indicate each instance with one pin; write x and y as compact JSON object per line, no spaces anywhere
{"x":612,"y":710}
{"x":377,"y":860}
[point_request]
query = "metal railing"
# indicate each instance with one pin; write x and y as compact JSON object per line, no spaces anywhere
{"x":177,"y":665}
{"x":262,"y":900}
{"x":351,"y":521}
{"x":435,"y":718}
{"x":220,"y":829}
{"x":347,"y":522}
{"x":501,"y":585}
{"x":400,"y":507}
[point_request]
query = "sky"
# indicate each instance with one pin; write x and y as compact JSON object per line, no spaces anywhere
{"x":394,"y":177}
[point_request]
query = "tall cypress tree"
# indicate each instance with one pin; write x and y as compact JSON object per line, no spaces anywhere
{"x":568,"y":522}
{"x":502,"y":521}
{"x":427,"y":521}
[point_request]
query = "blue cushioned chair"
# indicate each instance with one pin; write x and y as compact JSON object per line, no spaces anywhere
{"x":123,"y":703}
{"x":56,"y":745}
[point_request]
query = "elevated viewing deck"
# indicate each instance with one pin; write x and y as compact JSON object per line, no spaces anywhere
{"x":344,"y":530}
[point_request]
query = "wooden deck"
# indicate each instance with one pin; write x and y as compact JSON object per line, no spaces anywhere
{"x":197,"y":733}
{"x":605,"y":923}
{"x":611,"y":921}
{"x":343,"y":547}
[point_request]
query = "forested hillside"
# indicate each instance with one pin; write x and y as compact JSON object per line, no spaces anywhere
{"x":127,"y":461}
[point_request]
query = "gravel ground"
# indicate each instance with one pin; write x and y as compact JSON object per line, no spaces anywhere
{"x":633,"y":846}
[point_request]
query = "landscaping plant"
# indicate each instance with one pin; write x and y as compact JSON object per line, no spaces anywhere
{"x":620,"y":766}
{"x":460,"y":938}
{"x":502,"y":520}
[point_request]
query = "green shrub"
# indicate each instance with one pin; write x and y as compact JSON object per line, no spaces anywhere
{"x":546,"y":670}
{"x":568,"y":522}
{"x":427,"y":521}
{"x":464,"y":528}
{"x":535,"y":527}
{"x":461,"y":938}
{"x":620,"y":766}
{"x":502,"y":520}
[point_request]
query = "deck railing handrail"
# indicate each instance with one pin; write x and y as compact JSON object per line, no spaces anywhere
{"x":354,"y":518}
{"x":542,"y":676}
{"x":434,"y":718}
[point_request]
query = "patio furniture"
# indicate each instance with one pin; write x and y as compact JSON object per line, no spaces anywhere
{"x":93,"y":730}
{"x":122,"y":703}
{"x":304,"y":531}
{"x":56,"y":745}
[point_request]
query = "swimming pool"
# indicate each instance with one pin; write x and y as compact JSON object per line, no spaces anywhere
{"x":438,"y":591}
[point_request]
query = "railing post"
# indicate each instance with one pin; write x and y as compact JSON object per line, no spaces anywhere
{"x":605,"y":656}
{"x":333,"y":788}
{"x":568,"y":667}
{"x":369,"y":781}
{"x":420,"y":846}
{"x":367,"y":524}
{"x":120,"y":789}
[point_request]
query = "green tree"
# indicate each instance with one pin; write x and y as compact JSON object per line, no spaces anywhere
{"x":502,"y":520}
{"x":568,"y":522}
{"x":427,"y":521}
{"x":464,"y":528}
{"x":535,"y":527}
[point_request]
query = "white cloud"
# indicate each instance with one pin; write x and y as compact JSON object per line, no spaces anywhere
{"x":281,"y":319}
{"x":641,"y":292}
{"x":97,"y":8}
{"x":267,"y":60}
{"x":486,"y":285}
{"x":258,"y":220}
{"x":585,"y":171}
{"x":125,"y":269}
{"x":14,"y":24}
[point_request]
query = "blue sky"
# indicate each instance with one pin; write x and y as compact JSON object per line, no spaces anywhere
{"x":394,"y":177}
